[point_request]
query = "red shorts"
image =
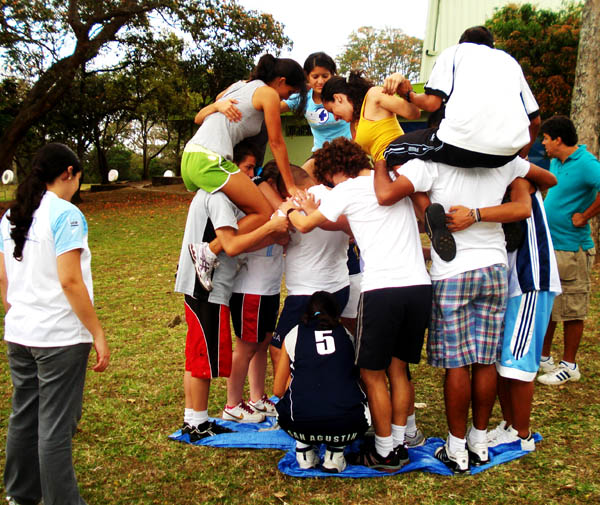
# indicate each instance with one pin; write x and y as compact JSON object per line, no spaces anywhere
{"x":253,"y":316}
{"x":208,"y":341}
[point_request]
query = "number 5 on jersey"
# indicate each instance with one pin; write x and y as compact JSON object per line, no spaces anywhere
{"x":325,"y":342}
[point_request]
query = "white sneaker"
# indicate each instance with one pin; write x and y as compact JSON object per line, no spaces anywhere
{"x":264,"y":406}
{"x":548,"y":365}
{"x":242,"y":413}
{"x":478,"y":452}
{"x":205,"y":261}
{"x":506,"y":436}
{"x":561,"y":374}
{"x":334,"y":460}
{"x":527,"y":444}
{"x":307,"y":457}
{"x":497,"y":431}
{"x":458,"y":463}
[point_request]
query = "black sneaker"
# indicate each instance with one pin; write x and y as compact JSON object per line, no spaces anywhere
{"x":442,"y":240}
{"x":207,"y":429}
{"x":458,"y":463}
{"x":402,"y":452}
{"x":369,"y":457}
{"x":186,"y":428}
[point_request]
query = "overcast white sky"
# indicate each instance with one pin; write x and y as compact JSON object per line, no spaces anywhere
{"x":324,"y":25}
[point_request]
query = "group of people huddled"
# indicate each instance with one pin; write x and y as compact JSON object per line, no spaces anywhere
{"x":343,"y":231}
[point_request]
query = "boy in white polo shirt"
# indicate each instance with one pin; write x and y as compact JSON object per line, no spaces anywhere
{"x":395,"y":301}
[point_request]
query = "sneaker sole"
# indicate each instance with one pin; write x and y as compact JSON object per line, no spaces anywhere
{"x":442,"y":240}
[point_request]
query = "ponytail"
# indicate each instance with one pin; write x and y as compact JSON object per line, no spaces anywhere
{"x":322,"y":309}
{"x":269,"y":68}
{"x":355,"y":87}
{"x":49,"y":162}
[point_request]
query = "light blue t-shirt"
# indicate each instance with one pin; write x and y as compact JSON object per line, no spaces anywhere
{"x":578,"y":184}
{"x":67,"y":223}
{"x":323,"y":125}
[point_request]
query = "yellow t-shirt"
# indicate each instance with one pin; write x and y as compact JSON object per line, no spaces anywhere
{"x":374,"y":136}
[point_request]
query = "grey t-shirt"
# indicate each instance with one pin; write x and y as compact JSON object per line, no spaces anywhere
{"x":222,"y":213}
{"x":220,"y":135}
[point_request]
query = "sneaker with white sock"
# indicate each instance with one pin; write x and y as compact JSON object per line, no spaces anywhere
{"x":416,"y":440}
{"x":527,"y":444}
{"x":561,"y":374}
{"x":242,"y":413}
{"x":478,"y":453}
{"x":334,"y":460}
{"x":307,"y":457}
{"x":495,"y":433}
{"x":264,"y":406}
{"x":457,"y":462}
{"x":506,"y":436}
{"x":547,"y":365}
{"x":205,"y":261}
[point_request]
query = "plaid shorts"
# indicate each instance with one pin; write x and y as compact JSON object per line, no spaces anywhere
{"x":467,"y":318}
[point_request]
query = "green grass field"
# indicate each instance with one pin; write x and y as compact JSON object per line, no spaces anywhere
{"x":121,"y":451}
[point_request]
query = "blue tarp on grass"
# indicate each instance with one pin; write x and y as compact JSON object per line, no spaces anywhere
{"x":263,"y":436}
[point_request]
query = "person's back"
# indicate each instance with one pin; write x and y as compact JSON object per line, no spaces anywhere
{"x":323,"y":373}
{"x":485,"y":111}
{"x":387,"y":236}
{"x":220,"y":135}
{"x":40,"y":313}
{"x":316,"y":261}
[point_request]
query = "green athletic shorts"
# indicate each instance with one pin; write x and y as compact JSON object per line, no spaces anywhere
{"x":204,"y":169}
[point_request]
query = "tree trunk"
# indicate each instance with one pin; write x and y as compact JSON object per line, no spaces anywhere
{"x":585,"y":105}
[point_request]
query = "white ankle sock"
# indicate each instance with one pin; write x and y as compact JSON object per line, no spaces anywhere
{"x":411,"y":425}
{"x":301,"y":445}
{"x":398,"y":434}
{"x":200,"y":417}
{"x":384,"y":445}
{"x":477,"y":436}
{"x":188,"y":416}
{"x":569,"y":364}
{"x":211,"y":255}
{"x":456,"y":444}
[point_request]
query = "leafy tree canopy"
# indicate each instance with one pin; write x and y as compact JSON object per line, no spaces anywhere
{"x":381,"y":52}
{"x":46,"y":43}
{"x":545,"y":43}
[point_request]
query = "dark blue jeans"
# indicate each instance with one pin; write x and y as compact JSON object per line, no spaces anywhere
{"x":46,"y":407}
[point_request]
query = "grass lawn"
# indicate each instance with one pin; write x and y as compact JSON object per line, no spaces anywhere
{"x":121,"y":451}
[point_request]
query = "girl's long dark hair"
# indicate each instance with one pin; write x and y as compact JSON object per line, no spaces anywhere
{"x":355,"y":87}
{"x":49,"y":162}
{"x":269,"y":67}
{"x":322,"y":309}
{"x":319,"y":60}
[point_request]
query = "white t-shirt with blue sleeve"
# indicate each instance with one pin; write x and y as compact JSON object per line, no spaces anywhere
{"x":323,"y":125}
{"x":40,"y":314}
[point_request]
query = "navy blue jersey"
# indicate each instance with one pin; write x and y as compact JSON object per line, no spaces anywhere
{"x":324,"y":379}
{"x":353,"y":259}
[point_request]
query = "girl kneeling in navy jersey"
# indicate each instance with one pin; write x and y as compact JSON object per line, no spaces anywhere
{"x":323,"y":402}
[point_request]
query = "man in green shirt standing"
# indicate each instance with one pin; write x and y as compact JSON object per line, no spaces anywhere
{"x":569,"y":206}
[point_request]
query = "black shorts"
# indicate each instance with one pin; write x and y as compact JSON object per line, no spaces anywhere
{"x":392,"y":322}
{"x":253,"y":316}
{"x":424,"y":144}
{"x":293,"y":308}
{"x":335,"y":432}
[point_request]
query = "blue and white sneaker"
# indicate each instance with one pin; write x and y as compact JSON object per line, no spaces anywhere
{"x":561,"y":374}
